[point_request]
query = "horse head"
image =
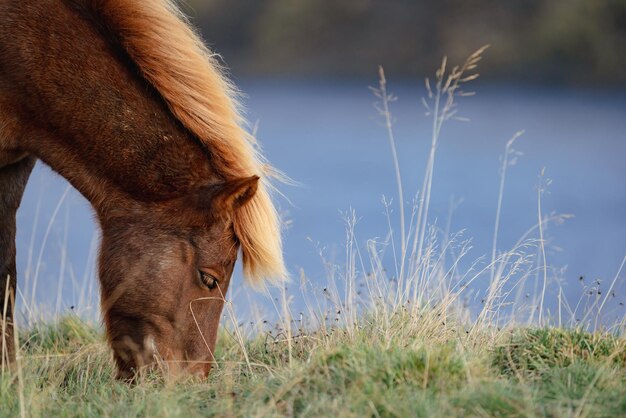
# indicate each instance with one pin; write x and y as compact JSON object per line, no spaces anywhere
{"x":165,"y":269}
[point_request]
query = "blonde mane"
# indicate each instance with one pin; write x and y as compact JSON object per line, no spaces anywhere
{"x":176,"y":62}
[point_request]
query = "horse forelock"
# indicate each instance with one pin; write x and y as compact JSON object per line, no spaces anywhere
{"x":172,"y":57}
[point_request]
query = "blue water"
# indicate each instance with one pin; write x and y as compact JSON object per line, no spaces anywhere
{"x":327,"y":137}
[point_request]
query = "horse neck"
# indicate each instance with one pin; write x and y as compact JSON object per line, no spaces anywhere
{"x":86,"y":111}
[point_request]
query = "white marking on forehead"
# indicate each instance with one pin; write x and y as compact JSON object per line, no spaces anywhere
{"x":168,"y":259}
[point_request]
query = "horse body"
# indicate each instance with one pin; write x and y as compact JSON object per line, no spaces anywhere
{"x":80,"y":106}
{"x":72,"y":96}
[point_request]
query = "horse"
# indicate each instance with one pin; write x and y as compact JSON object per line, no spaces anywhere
{"x":123,"y":99}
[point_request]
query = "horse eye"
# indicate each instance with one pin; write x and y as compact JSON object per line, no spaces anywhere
{"x":208,"y":280}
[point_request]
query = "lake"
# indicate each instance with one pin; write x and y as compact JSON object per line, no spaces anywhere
{"x":326,"y":136}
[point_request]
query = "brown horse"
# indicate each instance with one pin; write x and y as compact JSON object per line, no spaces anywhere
{"x":122,"y":99}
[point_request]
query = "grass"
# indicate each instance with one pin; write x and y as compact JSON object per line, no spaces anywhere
{"x":390,"y":334}
{"x":441,"y":372}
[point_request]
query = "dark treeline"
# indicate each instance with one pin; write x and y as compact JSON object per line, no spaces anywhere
{"x":561,"y":41}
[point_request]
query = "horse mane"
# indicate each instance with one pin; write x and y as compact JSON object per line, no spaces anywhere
{"x":171,"y":56}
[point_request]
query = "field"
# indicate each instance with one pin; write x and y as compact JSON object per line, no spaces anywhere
{"x":392,"y":332}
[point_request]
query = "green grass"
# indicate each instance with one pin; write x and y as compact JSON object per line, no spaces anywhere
{"x":376,"y":369}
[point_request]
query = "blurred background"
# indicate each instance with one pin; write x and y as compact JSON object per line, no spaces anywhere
{"x":562,"y":42}
{"x":555,"y":69}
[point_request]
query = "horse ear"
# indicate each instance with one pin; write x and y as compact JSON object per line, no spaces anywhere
{"x":235,"y":193}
